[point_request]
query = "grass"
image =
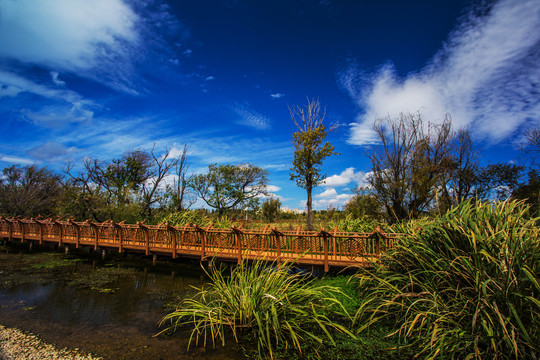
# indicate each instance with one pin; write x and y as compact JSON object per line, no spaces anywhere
{"x":268,"y":304}
{"x":465,"y":286}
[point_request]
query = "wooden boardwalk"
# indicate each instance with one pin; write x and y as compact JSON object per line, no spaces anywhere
{"x":322,"y":248}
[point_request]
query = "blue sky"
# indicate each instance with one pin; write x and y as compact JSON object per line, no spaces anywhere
{"x":97,"y":78}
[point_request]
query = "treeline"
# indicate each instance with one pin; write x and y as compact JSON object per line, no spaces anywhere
{"x":419,"y":169}
{"x":138,"y":186}
{"x":424,"y":168}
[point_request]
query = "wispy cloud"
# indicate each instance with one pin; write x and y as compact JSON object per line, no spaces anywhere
{"x":16,"y":160}
{"x":251,"y":118}
{"x":486,"y":77}
{"x":51,"y":151}
{"x":277,"y":95}
{"x":56,"y":80}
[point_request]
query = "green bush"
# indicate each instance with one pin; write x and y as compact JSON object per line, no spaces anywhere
{"x":351,"y":224}
{"x":266,"y":303}
{"x":464,"y":286}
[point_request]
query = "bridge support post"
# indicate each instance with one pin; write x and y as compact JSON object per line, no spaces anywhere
{"x":103,"y":254}
{"x":30,"y":246}
{"x":154,"y":259}
{"x":66,"y":250}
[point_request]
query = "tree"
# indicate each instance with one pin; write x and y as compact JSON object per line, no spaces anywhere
{"x":227,"y":186}
{"x":270,"y":209}
{"x":180,"y":197}
{"x":29,"y":191}
{"x":363,"y":203}
{"x":408,"y":166}
{"x":460,"y":180}
{"x":160,"y":168}
{"x":309,"y":150}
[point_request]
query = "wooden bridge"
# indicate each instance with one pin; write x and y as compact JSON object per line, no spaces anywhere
{"x":322,"y":248}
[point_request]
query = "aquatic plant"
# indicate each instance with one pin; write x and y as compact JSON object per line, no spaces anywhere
{"x":463,"y":286}
{"x":268,"y":303}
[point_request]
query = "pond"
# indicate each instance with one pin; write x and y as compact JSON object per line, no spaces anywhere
{"x":110,"y":308}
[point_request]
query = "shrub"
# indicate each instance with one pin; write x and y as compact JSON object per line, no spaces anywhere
{"x":463,"y":286}
{"x":182,"y":218}
{"x":350,"y":224}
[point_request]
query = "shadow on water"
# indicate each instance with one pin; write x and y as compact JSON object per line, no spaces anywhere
{"x":110,"y":309}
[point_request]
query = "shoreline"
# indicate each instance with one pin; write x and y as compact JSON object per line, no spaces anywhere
{"x":16,"y":344}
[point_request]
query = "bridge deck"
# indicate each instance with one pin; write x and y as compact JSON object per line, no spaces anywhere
{"x":326,"y":249}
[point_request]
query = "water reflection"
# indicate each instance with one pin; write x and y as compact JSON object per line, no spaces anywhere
{"x":116,"y":325}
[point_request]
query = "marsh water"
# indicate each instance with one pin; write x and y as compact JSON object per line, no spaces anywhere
{"x":110,"y":308}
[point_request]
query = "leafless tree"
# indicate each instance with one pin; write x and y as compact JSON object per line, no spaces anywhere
{"x":161,"y":168}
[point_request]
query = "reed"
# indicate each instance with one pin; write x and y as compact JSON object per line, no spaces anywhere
{"x":268,"y":303}
{"x":464,"y":286}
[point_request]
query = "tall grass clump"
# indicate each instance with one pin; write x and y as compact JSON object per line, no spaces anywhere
{"x":265,"y":303}
{"x":465,"y":286}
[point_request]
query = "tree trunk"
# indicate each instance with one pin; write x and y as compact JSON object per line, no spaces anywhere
{"x":309,"y":211}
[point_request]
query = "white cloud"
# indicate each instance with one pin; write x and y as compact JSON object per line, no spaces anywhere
{"x":330,"y":198}
{"x":272,"y":188}
{"x":485,"y":77}
{"x":66,"y":33}
{"x":251,"y":118}
{"x":56,"y":80}
{"x":346,"y":177}
{"x":106,"y":41}
{"x":277,"y":95}
{"x":328,"y":193}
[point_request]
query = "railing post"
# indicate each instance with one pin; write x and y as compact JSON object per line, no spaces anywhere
{"x":61,"y":232}
{"x":334,"y":242}
{"x":118,"y":228}
{"x":77,"y":232}
{"x":378,"y":241}
{"x":10,"y":226}
{"x":146,"y":237}
{"x":21,"y":224}
{"x":325,"y":235}
{"x":202,"y":233}
{"x":172,"y":230}
{"x":96,"y":233}
{"x":277,"y":236}
{"x":41,"y":225}
{"x":237,"y":234}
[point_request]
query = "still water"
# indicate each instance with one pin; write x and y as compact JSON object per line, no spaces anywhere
{"x":109,"y":308}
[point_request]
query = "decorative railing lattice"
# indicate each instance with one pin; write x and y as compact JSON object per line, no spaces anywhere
{"x":321,"y":248}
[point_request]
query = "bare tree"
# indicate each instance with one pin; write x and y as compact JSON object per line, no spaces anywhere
{"x":29,"y":191}
{"x":407,"y":168}
{"x":162,"y":166}
{"x":180,"y":194}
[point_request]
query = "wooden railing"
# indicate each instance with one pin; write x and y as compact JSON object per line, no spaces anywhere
{"x":318,"y":248}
